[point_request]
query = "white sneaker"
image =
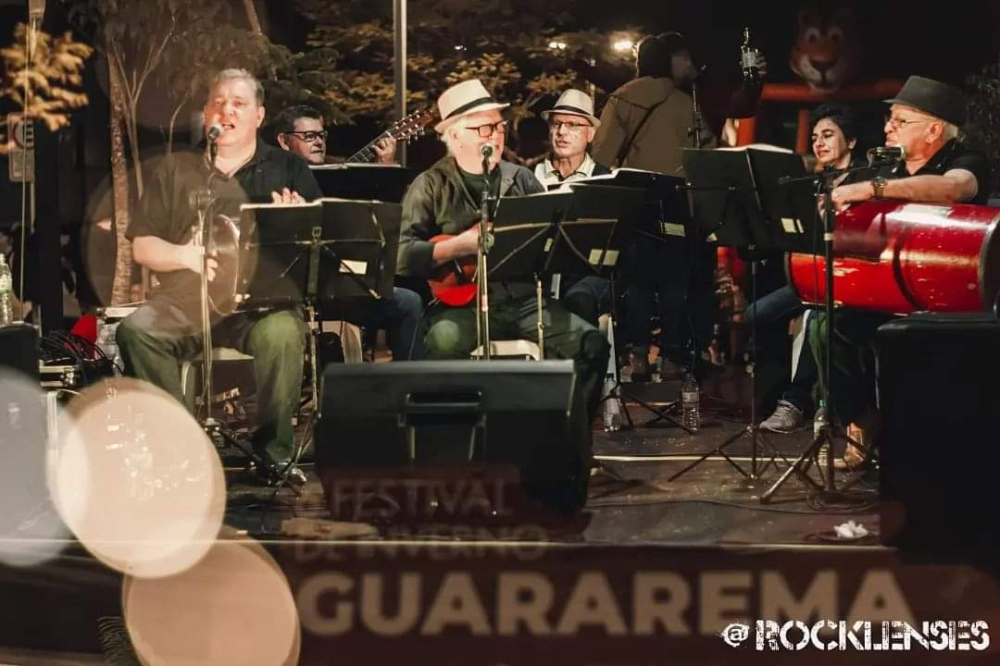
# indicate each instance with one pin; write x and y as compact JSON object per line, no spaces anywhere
{"x":786,"y":418}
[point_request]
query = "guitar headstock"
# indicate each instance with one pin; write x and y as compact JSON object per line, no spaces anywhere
{"x":411,"y":126}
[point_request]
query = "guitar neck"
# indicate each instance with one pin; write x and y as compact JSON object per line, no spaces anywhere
{"x":367,"y":155}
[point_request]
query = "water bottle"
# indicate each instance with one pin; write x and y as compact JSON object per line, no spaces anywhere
{"x":6,"y":289}
{"x":612,"y":407}
{"x":691,"y":402}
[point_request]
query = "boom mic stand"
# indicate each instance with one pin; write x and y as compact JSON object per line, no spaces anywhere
{"x":482,"y":291}
{"x":204,"y":204}
{"x":821,"y":431}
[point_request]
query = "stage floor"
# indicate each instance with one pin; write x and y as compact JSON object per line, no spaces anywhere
{"x":632,"y":499}
{"x":651,"y":571}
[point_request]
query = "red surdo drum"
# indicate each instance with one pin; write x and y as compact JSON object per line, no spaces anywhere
{"x":900,"y":258}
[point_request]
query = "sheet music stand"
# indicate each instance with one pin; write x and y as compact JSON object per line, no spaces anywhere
{"x":331,"y":255}
{"x":727,"y":203}
{"x":374,"y":182}
{"x":788,"y":200}
{"x":663,"y":215}
{"x":575,"y":232}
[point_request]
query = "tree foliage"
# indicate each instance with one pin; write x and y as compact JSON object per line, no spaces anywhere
{"x":50,"y":88}
{"x":503,"y":42}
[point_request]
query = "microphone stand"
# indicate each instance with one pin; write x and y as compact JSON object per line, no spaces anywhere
{"x":204,"y":206}
{"x":482,"y":292}
{"x":821,"y":431}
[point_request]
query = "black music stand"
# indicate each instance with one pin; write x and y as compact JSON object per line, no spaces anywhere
{"x":573,"y":232}
{"x":663,"y":216}
{"x":332,"y":255}
{"x":727,"y":203}
{"x":374,"y":182}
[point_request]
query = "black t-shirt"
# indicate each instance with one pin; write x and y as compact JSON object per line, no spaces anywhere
{"x":474,"y":183}
{"x":166,"y":210}
{"x":953,"y":155}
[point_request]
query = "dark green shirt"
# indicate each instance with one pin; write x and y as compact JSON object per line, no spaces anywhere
{"x":439,"y":202}
{"x":166,"y":209}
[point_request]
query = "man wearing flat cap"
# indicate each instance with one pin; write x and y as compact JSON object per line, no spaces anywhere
{"x":445,"y":200}
{"x":924,"y":120}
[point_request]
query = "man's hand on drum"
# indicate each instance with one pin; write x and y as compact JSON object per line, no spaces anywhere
{"x":194,"y":259}
{"x":286,"y":196}
{"x":845,"y":195}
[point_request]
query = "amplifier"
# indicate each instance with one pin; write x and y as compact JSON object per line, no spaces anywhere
{"x":19,"y":349}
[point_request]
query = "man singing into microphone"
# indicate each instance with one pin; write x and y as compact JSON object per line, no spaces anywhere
{"x":931,"y":166}
{"x":446,"y":200}
{"x":167,"y":329}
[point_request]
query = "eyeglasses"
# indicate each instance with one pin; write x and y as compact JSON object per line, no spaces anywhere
{"x":486,"y":131}
{"x":309,"y":137}
{"x":899,"y":123}
{"x":572,"y":128}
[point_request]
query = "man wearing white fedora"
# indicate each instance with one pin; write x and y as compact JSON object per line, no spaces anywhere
{"x":572,"y":125}
{"x":445,"y":200}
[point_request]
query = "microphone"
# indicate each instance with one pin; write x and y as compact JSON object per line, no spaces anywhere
{"x":214,"y":132}
{"x":487,"y":151}
{"x":886,"y":154}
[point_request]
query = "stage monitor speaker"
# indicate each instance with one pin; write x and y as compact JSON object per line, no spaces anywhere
{"x":19,"y":349}
{"x":939,"y":398}
{"x":438,"y":438}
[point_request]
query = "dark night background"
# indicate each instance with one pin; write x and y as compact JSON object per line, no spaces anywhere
{"x":946,"y":42}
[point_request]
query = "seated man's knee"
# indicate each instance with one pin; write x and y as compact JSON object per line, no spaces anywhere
{"x":284,"y":330}
{"x":408,"y":301}
{"x":445,"y":340}
{"x":594,"y":346}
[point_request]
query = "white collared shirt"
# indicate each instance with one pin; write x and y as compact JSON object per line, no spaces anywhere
{"x":548,"y":175}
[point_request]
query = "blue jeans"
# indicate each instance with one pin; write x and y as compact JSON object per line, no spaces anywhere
{"x":402,"y":317}
{"x":588,"y":298}
{"x":771,"y":315}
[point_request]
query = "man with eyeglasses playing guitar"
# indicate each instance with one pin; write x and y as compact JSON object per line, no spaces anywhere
{"x":441,"y":211}
{"x":301,"y":130}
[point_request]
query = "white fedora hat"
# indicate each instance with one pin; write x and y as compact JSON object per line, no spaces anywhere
{"x":462,"y":99}
{"x":574,"y":103}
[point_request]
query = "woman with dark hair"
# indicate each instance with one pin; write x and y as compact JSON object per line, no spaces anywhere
{"x":834,"y":137}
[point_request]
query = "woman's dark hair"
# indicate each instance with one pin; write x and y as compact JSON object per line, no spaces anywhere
{"x":654,"y":54}
{"x":841,"y":116}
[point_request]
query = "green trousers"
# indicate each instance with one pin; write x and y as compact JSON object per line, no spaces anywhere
{"x":159,"y":335}
{"x":852,"y":360}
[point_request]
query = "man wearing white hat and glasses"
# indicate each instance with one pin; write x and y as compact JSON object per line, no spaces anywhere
{"x":445,"y":199}
{"x":572,"y":125}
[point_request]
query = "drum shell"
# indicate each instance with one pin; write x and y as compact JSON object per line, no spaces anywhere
{"x":903,"y":258}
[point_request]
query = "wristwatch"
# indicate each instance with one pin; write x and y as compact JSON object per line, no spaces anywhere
{"x":878,"y":185}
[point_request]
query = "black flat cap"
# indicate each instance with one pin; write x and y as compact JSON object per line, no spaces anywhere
{"x":933,"y":97}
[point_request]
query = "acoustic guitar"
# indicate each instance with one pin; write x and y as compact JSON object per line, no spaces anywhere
{"x":401,"y":130}
{"x":454,"y":282}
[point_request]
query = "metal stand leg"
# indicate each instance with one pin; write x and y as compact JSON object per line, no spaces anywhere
{"x":752,"y":430}
{"x":541,"y":322}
